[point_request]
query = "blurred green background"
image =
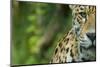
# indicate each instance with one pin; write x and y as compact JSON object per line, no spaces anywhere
{"x":36,"y":29}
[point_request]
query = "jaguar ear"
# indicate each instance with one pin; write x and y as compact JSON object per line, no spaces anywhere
{"x":72,"y":6}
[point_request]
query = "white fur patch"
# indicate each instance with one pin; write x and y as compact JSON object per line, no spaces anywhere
{"x":69,"y":58}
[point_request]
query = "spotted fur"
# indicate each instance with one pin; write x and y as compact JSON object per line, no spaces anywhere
{"x":79,"y":43}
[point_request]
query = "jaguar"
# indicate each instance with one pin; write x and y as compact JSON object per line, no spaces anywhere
{"x":79,"y":44}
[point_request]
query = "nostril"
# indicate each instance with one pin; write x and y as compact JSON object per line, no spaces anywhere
{"x":91,"y":36}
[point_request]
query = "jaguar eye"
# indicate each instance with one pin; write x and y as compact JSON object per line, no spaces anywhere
{"x":83,"y":14}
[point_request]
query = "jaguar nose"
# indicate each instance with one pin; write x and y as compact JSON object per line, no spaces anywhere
{"x":91,"y":36}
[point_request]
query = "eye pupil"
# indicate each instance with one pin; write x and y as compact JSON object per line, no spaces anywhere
{"x":83,"y":14}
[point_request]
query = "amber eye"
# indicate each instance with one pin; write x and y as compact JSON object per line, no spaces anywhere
{"x":83,"y":14}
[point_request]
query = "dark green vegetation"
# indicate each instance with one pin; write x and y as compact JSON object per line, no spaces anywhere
{"x":36,"y":29}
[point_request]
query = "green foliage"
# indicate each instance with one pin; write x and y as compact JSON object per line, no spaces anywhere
{"x":36,"y":29}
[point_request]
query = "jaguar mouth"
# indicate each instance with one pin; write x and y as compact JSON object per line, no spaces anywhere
{"x":87,"y":45}
{"x":92,"y":47}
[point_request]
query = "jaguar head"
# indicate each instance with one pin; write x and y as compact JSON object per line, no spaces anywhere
{"x":84,"y":23}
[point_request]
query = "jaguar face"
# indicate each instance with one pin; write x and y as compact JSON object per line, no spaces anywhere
{"x":84,"y":26}
{"x":88,"y":35}
{"x":88,"y":38}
